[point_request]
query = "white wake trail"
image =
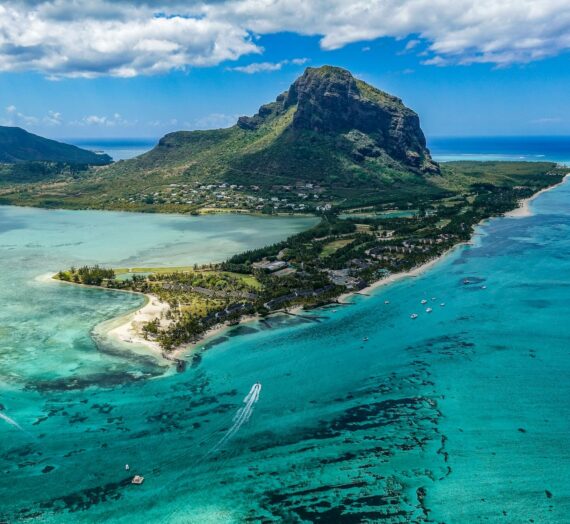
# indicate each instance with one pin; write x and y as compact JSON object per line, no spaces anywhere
{"x":242,"y":416}
{"x":11,"y":421}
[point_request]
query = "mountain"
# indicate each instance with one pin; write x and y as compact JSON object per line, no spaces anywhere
{"x":356,"y":145}
{"x":17,"y":145}
{"x":328,"y":127}
{"x":366,"y":122}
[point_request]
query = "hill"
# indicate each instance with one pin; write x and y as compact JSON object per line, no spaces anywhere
{"x":330,"y":142}
{"x":17,"y":145}
{"x":329,"y":135}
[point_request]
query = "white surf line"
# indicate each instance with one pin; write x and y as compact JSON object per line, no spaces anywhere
{"x":242,"y":416}
{"x":11,"y":421}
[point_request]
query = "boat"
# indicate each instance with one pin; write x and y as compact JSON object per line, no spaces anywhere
{"x":365,"y":339}
{"x":424,"y":301}
{"x":137,"y":479}
{"x":386,"y":301}
{"x":433,"y":298}
{"x":483,"y":287}
{"x":442,"y":304}
{"x":413,"y":316}
{"x":466,"y":281}
{"x":127,"y":467}
{"x":429,"y":310}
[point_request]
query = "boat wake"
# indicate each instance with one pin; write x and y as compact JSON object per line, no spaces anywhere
{"x":11,"y":421}
{"x":241,"y":417}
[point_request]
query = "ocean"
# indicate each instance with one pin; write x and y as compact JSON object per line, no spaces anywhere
{"x":459,"y":416}
{"x":443,"y":149}
{"x":507,"y":148}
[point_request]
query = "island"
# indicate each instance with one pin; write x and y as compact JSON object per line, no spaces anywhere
{"x":331,"y":146}
{"x":345,"y":253}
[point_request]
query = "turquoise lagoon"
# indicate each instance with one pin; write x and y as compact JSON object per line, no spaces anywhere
{"x":461,"y":415}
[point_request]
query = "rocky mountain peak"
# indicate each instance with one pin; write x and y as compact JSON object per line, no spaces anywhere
{"x":330,"y":100}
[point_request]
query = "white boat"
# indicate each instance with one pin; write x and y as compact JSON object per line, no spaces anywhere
{"x":386,"y":301}
{"x":365,"y":339}
{"x":429,"y":310}
{"x":483,"y":287}
{"x":442,"y":304}
{"x":414,"y":316}
{"x":424,"y":301}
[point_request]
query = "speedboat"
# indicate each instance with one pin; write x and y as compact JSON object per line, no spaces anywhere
{"x":365,"y":339}
{"x":413,"y":316}
{"x":442,"y":304}
{"x":483,"y":287}
{"x":386,"y":301}
{"x":429,"y":310}
{"x":424,"y":301}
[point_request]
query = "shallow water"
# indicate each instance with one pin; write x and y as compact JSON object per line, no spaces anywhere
{"x":461,"y":415}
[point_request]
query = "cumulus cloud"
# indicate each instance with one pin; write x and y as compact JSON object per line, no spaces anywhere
{"x":213,"y":121}
{"x":260,"y":67}
{"x":103,"y":121}
{"x":14,"y":117}
{"x":89,"y":38}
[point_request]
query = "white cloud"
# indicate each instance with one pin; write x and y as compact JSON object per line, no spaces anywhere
{"x":261,"y":67}
{"x":90,"y":38}
{"x":213,"y":121}
{"x":14,"y":117}
{"x":547,"y":120}
{"x":103,"y":121}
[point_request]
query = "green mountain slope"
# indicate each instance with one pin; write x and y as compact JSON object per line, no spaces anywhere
{"x":330,"y":141}
{"x":17,"y":145}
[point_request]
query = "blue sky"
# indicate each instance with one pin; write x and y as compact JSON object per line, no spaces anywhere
{"x":458,"y":89}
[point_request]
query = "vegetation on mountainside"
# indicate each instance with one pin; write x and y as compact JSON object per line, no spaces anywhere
{"x":359,"y":147}
{"x":17,"y":145}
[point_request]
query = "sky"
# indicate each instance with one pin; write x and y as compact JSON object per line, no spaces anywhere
{"x":142,"y":68}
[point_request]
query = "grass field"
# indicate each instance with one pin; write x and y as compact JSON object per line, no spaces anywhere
{"x":335,"y":245}
{"x":249,"y":280}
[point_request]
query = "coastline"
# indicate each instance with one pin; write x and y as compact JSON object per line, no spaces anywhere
{"x":395,"y":277}
{"x":125,"y":328}
{"x":524,"y":209}
{"x":129,"y":329}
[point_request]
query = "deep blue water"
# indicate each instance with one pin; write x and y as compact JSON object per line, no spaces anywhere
{"x":556,"y":148}
{"x":116,"y":148}
{"x":537,"y":148}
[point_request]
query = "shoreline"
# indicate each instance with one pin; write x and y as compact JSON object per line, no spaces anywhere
{"x":411,"y":273}
{"x":524,"y":209}
{"x":129,"y":330}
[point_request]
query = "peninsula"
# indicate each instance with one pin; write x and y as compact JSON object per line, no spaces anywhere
{"x":332,"y":146}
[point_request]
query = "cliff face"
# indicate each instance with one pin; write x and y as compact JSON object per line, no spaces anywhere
{"x":330,"y":100}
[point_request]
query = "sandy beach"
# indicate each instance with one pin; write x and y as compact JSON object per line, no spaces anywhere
{"x":400,"y":276}
{"x":524,"y":209}
{"x":131,"y":330}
